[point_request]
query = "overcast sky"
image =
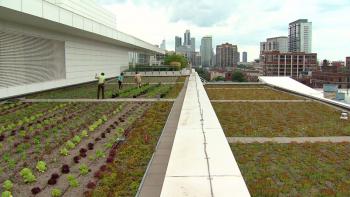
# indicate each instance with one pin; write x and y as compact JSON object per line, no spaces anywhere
{"x":241,"y":22}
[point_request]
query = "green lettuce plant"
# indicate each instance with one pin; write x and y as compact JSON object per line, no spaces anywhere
{"x":55,"y":192}
{"x":84,"y":133}
{"x":6,"y":194}
{"x":100,"y":154}
{"x":70,"y":144}
{"x":41,"y":166}
{"x":27,"y":175}
{"x":73,"y":182}
{"x":76,"y":139}
{"x":84,"y":169}
{"x":64,"y":151}
{"x":7,"y":185}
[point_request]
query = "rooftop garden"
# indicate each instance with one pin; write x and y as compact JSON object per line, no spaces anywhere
{"x":320,"y":169}
{"x":81,"y":149}
{"x":152,"y":88}
{"x":54,"y":149}
{"x":280,"y":119}
{"x":290,"y":169}
{"x":250,"y":92}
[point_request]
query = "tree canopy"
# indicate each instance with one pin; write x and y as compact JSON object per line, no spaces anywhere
{"x":169,"y":58}
{"x":238,"y":76}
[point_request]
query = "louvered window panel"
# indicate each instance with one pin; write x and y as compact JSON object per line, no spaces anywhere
{"x":27,"y":59}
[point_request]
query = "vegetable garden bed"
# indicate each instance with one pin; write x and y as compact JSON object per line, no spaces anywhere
{"x":64,"y":149}
{"x":89,"y":90}
{"x":280,"y":119}
{"x":321,"y":169}
{"x":248,"y":94}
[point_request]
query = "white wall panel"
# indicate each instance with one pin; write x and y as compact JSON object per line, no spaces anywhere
{"x":78,"y":21}
{"x":87,"y":25}
{"x":51,"y":12}
{"x":33,"y":7}
{"x":66,"y":17}
{"x":83,"y":58}
{"x":13,"y":4}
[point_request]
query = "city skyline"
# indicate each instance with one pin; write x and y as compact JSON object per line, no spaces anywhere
{"x":249,"y":23}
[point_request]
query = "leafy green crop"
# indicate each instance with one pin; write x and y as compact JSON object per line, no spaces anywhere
{"x":100,"y":154}
{"x":7,"y":185}
{"x":55,"y":192}
{"x":41,"y":166}
{"x":84,"y":169}
{"x":76,"y":139}
{"x":70,"y":144}
{"x":27,"y":175}
{"x":73,"y":182}
{"x":6,"y":194}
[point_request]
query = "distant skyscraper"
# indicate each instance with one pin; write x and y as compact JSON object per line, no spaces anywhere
{"x":193,"y":44}
{"x":187,"y":38}
{"x":300,"y":36}
{"x":206,"y":51}
{"x":162,"y":45}
{"x":238,"y":57}
{"x":178,"y":42}
{"x":245,"y":57}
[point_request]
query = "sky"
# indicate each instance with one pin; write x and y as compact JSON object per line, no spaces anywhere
{"x":242,"y":22}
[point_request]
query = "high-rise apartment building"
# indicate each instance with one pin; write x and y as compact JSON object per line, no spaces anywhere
{"x":275,"y":44}
{"x":193,"y":44}
{"x":225,"y":55}
{"x":187,"y":38}
{"x":206,"y":51}
{"x":245,"y":57}
{"x":178,"y":42}
{"x":300,"y":36}
{"x":347,"y":62}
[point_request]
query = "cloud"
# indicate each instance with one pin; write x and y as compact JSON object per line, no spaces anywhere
{"x":245,"y":23}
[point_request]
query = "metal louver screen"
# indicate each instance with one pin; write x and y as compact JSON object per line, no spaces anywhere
{"x":26,"y":59}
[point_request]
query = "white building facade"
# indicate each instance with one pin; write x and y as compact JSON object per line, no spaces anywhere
{"x":275,"y":44}
{"x":46,"y":44}
{"x":206,"y":51}
{"x":300,"y":36}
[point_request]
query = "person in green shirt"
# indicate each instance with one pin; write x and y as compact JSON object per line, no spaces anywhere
{"x":101,"y":85}
{"x":120,"y":79}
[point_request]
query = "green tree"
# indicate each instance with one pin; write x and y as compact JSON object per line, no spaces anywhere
{"x":219,"y":78}
{"x":175,"y":58}
{"x":238,"y":76}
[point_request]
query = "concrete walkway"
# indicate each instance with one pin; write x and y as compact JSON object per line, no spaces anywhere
{"x":97,"y":100}
{"x":287,"y":140}
{"x":260,"y":101}
{"x":152,"y":182}
{"x":201,"y":161}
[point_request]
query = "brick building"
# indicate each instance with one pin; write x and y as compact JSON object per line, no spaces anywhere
{"x":294,"y":64}
{"x":331,"y":75}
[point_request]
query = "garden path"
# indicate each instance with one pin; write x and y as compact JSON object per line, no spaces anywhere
{"x":98,"y":100}
{"x":154,"y":177}
{"x":286,"y":140}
